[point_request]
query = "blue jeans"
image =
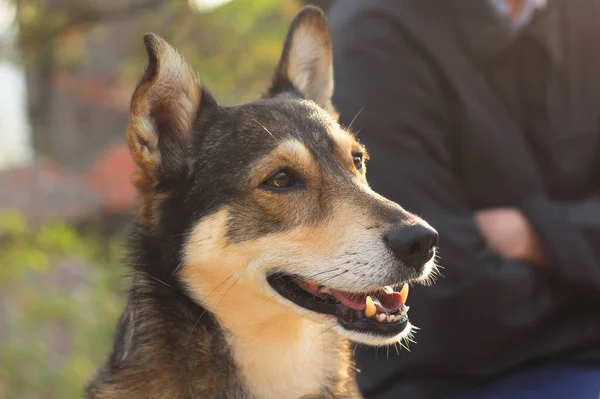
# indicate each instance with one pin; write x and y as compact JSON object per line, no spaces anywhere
{"x":548,"y":382}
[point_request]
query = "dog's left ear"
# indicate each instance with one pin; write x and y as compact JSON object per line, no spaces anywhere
{"x":306,"y":61}
{"x":163,"y":111}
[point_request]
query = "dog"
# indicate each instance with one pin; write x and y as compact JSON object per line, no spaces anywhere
{"x":259,"y":251}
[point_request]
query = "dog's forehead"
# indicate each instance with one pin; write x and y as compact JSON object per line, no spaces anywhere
{"x":302,"y":120}
{"x":263,"y":124}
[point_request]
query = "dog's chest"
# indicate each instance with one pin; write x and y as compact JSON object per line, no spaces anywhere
{"x":273,"y":368}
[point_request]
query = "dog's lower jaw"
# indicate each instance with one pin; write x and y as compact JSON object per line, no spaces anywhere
{"x":373,"y":340}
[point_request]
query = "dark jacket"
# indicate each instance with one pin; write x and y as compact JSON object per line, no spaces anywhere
{"x":460,"y":114}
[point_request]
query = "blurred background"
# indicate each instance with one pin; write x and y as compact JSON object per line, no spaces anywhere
{"x":67,"y":71}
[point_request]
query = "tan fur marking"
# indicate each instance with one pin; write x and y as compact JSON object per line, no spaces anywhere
{"x":263,"y":332}
{"x":346,"y":145}
{"x":290,"y":153}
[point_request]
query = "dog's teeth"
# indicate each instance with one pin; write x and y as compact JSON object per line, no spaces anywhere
{"x":370,"y":308}
{"x":390,"y":318}
{"x":404,"y":293}
{"x":325,"y":290}
{"x":397,"y":318}
{"x":405,"y":308}
{"x":381,"y":317}
{"x":387,"y":289}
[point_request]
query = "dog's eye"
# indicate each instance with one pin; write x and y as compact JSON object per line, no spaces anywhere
{"x":359,"y":163}
{"x":281,"y":180}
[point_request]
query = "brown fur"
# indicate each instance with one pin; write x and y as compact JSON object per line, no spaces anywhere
{"x":201,"y":319}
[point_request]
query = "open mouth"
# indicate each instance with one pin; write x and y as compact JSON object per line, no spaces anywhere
{"x":381,"y":312}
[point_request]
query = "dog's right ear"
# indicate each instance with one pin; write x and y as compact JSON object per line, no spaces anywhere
{"x":306,"y":63}
{"x":163,"y":111}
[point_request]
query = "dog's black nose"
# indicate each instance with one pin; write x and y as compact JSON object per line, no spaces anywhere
{"x":414,"y":244}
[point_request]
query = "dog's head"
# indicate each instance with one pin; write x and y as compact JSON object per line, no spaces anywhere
{"x":277,"y":216}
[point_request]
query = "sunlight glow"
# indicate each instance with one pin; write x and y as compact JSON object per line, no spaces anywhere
{"x":206,"y":5}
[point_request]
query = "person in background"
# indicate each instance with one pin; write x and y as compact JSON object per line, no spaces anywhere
{"x":483,"y":117}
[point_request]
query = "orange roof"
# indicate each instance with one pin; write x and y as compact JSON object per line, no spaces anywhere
{"x":110,"y":178}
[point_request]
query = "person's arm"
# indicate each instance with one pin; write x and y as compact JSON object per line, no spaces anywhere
{"x":483,"y":300}
{"x":509,"y":233}
{"x":561,"y":236}
{"x":570,"y":231}
{"x":570,"y":234}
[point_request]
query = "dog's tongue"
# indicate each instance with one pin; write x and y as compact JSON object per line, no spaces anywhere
{"x":389,"y":302}
{"x":356,"y":302}
{"x":384,"y":301}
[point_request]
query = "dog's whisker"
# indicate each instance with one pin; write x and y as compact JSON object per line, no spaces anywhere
{"x":404,"y":346}
{"x":355,"y":116}
{"x":204,"y":311}
{"x":360,"y":224}
{"x":269,"y":298}
{"x":341,"y":344}
{"x":195,"y":325}
{"x":199,"y":240}
{"x":318,"y":274}
{"x":266,"y":130}
{"x":227,"y":292}
{"x":161,"y":281}
{"x":218,"y":286}
{"x":324,"y":331}
{"x":177,"y":268}
{"x":396,"y":347}
{"x":337,"y":275}
{"x":309,"y":348}
{"x":295,"y":289}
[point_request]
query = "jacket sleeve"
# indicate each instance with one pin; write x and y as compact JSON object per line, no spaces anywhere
{"x":385,"y":78}
{"x":570,"y":231}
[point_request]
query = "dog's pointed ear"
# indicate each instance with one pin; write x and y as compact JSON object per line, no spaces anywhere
{"x":306,"y":61}
{"x":163,"y":111}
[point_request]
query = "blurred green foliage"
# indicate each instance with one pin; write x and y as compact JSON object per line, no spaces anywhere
{"x":234,"y":47}
{"x":60,"y":296}
{"x":61,"y":291}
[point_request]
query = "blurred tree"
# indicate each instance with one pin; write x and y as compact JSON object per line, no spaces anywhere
{"x":45,"y":30}
{"x":60,"y":293}
{"x":83,"y":58}
{"x":234,"y":48}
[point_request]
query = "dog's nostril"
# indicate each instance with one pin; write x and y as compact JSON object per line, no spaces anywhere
{"x":414,"y":245}
{"x":415,"y":248}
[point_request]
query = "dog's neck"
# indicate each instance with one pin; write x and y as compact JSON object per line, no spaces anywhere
{"x":282,"y":355}
{"x":279,"y":353}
